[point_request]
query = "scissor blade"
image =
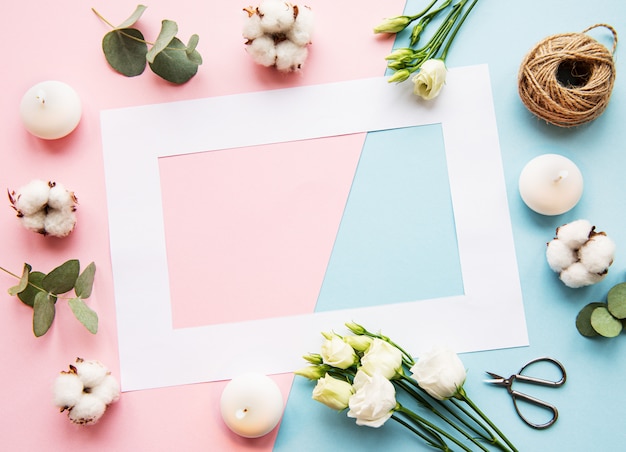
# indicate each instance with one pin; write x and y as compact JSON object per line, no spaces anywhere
{"x":495,"y":379}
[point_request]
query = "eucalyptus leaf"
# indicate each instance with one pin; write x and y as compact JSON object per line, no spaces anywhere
{"x":604,"y":323}
{"x":84,"y":282}
{"x":27,"y":296}
{"x":174,"y":65}
{"x":583,"y":320}
{"x":616,"y":300}
{"x":62,"y":278}
{"x":84,"y":314}
{"x":21,"y":286}
{"x":43,"y":314}
{"x":125,"y":50}
{"x":169,"y":28}
{"x":192,"y":44}
{"x":134,"y":17}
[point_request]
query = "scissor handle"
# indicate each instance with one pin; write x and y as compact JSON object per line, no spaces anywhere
{"x":540,"y":403}
{"x":540,"y":381}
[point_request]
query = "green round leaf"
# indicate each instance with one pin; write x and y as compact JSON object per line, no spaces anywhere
{"x":125,"y":50}
{"x":604,"y":323}
{"x":583,"y":320}
{"x":84,"y":282}
{"x":21,"y":286}
{"x":174,"y":64}
{"x":43,"y":314}
{"x":84,"y":314}
{"x":616,"y":300}
{"x":62,"y":278}
{"x":27,"y":296}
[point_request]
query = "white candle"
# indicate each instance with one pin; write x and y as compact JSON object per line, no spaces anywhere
{"x":251,"y":405}
{"x":50,"y":110}
{"x":551,"y":184}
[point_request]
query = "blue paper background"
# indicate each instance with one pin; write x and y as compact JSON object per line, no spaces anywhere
{"x":592,"y":404}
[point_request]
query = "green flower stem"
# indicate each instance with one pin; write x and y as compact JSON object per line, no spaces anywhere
{"x":440,"y":444}
{"x":424,"y":21}
{"x":464,"y":397}
{"x":10,"y":273}
{"x":425,"y":403}
{"x":456,"y":30}
{"x":422,"y":421}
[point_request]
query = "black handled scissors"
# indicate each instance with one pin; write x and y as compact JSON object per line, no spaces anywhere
{"x":516,"y":395}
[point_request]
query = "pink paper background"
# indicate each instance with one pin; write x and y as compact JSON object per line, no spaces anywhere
{"x":249,"y":231}
{"x":61,"y":40}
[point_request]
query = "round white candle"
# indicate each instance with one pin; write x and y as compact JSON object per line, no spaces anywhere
{"x":551,"y":184}
{"x":251,"y":405}
{"x":50,"y":109}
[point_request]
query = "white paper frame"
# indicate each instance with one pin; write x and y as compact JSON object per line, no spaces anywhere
{"x":489,"y":315}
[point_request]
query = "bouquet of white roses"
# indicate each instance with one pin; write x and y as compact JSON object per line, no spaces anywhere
{"x":363,"y":373}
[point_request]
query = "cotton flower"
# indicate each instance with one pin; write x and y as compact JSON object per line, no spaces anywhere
{"x":581,"y":255}
{"x":47,"y":208}
{"x":430,"y":79}
{"x":332,"y":392}
{"x":278,"y":33}
{"x":85,"y":391}
{"x":373,"y":402}
{"x":440,"y":373}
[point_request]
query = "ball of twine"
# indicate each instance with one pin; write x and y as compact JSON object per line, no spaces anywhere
{"x":567,"y":79}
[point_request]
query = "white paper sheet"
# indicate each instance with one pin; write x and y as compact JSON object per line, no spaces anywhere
{"x":489,"y":315}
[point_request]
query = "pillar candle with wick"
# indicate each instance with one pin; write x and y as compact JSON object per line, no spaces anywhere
{"x":50,"y":110}
{"x":251,"y":405}
{"x":551,"y":184}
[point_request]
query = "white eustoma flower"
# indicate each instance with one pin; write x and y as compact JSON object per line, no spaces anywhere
{"x":382,"y":357}
{"x":332,"y":392}
{"x":337,"y":353}
{"x":373,"y":402}
{"x":430,"y":79}
{"x":440,"y":373}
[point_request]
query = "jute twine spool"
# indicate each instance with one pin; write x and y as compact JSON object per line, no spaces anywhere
{"x":567,"y":79}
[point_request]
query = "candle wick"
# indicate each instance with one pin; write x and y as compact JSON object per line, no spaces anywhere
{"x":562,"y":175}
{"x":41,"y":97}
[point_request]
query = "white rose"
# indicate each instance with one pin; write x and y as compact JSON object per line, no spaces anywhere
{"x":374,"y":401}
{"x":430,"y":79}
{"x":337,"y":353}
{"x":382,"y":357}
{"x":332,"y":392}
{"x":440,"y":373}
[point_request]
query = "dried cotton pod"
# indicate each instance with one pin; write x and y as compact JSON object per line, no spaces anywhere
{"x":85,"y":390}
{"x":579,"y":254}
{"x":47,"y":208}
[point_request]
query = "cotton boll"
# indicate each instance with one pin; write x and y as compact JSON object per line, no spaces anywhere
{"x":32,"y":197}
{"x":302,"y":29}
{"x":252,"y":29}
{"x":277,"y":16}
{"x":108,"y":390}
{"x":263,"y":51}
{"x":90,"y":372}
{"x":88,"y":410}
{"x":559,"y":255}
{"x":60,"y":222}
{"x":597,"y":253}
{"x":574,"y":234}
{"x":59,"y":197}
{"x":577,"y":275}
{"x":35,"y":222}
{"x":68,"y":389}
{"x":290,"y":56}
